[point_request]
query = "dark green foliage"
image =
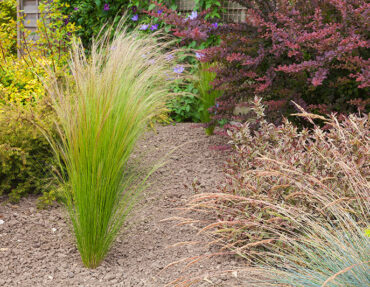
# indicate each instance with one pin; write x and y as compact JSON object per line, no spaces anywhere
{"x":92,"y":15}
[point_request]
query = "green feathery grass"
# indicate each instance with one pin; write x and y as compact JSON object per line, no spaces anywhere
{"x":102,"y":110}
{"x":208,"y":95}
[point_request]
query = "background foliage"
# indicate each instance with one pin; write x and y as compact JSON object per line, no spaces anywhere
{"x":315,"y":52}
{"x":93,"y":15}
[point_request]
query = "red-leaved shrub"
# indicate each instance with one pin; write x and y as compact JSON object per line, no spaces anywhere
{"x":313,"y":52}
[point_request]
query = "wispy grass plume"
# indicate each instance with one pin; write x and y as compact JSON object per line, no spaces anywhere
{"x":102,"y":110}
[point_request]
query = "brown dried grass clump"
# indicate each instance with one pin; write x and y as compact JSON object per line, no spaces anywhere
{"x":295,"y":203}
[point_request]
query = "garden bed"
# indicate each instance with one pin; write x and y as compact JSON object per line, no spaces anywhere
{"x":37,"y":247}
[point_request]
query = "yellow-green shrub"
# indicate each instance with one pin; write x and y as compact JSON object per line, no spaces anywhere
{"x":8,"y":27}
{"x":18,"y":83}
{"x":25,"y":155}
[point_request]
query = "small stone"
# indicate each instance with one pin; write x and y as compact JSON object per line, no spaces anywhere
{"x":36,"y":245}
{"x":1,"y":221}
{"x":53,"y":229}
{"x":12,"y":222}
{"x":71,"y":274}
{"x":110,"y":276}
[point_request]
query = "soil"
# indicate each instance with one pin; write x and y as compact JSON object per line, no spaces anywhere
{"x":37,"y":246}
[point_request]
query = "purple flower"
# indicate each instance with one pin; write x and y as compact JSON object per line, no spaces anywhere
{"x":134,"y":9}
{"x":193,"y":15}
{"x":75,"y":8}
{"x":106,"y":7}
{"x":199,"y":55}
{"x":178,"y":69}
{"x":169,"y":57}
{"x":215,"y":25}
{"x":144,"y":27}
{"x":135,"y":18}
{"x":154,"y":27}
{"x":66,"y":21}
{"x":159,"y":12}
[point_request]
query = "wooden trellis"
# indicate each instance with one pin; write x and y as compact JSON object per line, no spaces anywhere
{"x":233,"y":11}
{"x":185,"y":5}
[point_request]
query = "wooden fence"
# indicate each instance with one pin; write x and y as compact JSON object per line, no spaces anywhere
{"x":29,"y":10}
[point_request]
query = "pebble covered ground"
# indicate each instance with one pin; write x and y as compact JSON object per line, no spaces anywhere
{"x":37,"y":247}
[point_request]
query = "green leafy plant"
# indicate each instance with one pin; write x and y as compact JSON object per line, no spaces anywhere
{"x":112,"y":96}
{"x":187,"y":107}
{"x":207,"y":94}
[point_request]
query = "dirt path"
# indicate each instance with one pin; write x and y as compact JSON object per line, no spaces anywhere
{"x":37,"y":249}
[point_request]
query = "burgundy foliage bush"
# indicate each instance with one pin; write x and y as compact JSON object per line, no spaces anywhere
{"x":314,"y":52}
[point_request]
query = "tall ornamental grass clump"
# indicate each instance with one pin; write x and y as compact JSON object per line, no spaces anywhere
{"x":102,"y":110}
{"x":295,"y":203}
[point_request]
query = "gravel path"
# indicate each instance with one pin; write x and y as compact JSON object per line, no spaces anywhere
{"x":37,"y":248}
